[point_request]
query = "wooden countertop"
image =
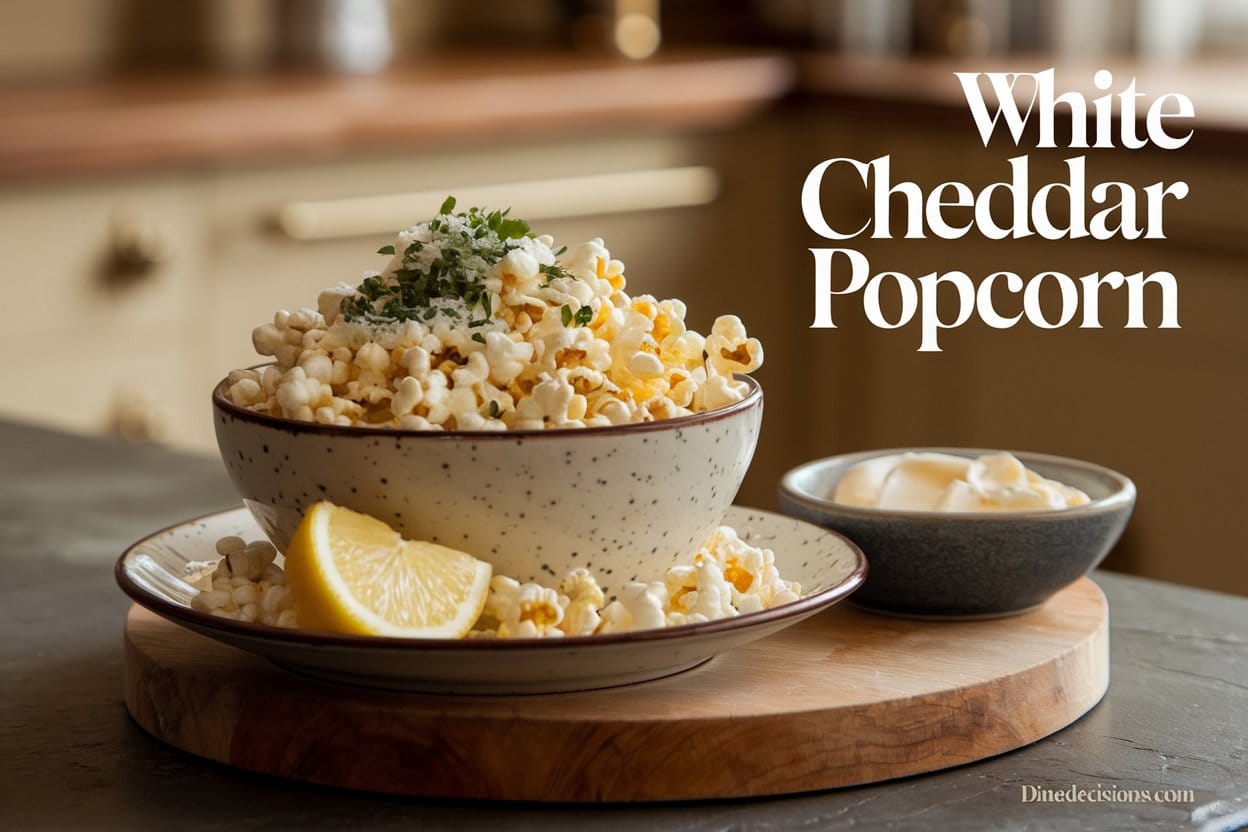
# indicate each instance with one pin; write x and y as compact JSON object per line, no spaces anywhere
{"x":145,"y":123}
{"x":1172,"y":719}
{"x":124,"y":125}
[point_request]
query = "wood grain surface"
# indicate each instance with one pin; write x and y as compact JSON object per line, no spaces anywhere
{"x":144,"y":123}
{"x":845,"y":698}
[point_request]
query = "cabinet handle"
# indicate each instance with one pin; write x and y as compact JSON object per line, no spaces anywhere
{"x":138,"y":416}
{"x":573,"y":196}
{"x":140,"y":242}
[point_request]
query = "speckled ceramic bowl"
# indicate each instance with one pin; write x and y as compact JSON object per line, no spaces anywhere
{"x":622,"y":501}
{"x":959,"y":564}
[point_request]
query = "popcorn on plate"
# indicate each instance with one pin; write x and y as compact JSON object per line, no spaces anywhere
{"x":726,"y":577}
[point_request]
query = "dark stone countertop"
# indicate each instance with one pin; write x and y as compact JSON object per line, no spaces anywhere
{"x":1175,"y":716}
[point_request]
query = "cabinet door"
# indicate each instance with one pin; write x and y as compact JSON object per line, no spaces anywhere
{"x":100,"y":289}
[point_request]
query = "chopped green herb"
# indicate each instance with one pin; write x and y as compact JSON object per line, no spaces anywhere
{"x":561,"y":250}
{"x":552,"y":271}
{"x":465,"y":246}
{"x":512,"y":229}
{"x":580,"y":317}
{"x":478,"y":337}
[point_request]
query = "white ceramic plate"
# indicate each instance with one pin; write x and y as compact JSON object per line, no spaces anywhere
{"x":159,"y":571}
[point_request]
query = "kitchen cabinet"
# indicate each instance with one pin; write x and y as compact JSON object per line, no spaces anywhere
{"x":104,"y":298}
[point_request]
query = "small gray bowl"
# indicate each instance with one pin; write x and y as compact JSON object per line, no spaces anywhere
{"x":962,"y":564}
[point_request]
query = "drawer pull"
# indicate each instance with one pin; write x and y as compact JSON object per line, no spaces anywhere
{"x":140,"y":242}
{"x":137,"y":416}
{"x":573,"y":196}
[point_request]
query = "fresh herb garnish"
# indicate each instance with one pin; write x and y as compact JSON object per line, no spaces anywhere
{"x":552,"y":271}
{"x":452,"y":266}
{"x":580,"y":317}
{"x":478,"y":337}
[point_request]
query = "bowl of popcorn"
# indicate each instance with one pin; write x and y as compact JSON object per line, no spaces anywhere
{"x":964,"y":532}
{"x":488,"y":391}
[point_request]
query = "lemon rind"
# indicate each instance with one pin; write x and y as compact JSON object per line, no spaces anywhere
{"x":368,"y":622}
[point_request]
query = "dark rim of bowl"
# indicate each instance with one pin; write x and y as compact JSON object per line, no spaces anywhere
{"x":221,"y":402}
{"x":184,"y":614}
{"x":1124,"y":494}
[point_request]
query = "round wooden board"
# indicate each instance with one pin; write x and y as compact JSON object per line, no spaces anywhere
{"x":844,"y":698}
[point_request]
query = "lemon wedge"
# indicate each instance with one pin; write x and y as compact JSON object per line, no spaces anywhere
{"x":351,"y":573}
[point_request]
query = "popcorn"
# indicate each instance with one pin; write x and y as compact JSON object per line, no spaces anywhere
{"x":247,"y":586}
{"x":639,"y":607}
{"x":506,"y":357}
{"x":317,"y":365}
{"x":475,"y":324}
{"x":247,"y":392}
{"x":726,"y":577}
{"x":329,"y":301}
{"x":728,"y":349}
{"x":584,"y":601}
{"x":409,"y":394}
{"x":718,"y":391}
{"x":700,"y":592}
{"x":646,"y":365}
{"x":523,"y":610}
{"x":549,"y":404}
{"x":751,"y":572}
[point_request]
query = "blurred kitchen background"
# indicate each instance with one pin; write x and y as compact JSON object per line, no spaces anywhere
{"x":173,"y":173}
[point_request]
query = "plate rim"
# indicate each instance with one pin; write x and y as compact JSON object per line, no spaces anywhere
{"x":186,"y":616}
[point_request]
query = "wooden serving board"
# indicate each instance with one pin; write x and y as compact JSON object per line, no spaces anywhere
{"x":844,"y":698}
